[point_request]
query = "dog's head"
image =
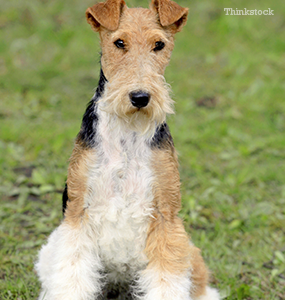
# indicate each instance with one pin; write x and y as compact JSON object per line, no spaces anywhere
{"x":136,"y":48}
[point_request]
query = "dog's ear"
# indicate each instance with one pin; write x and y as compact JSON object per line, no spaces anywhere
{"x":170,"y":13}
{"x":106,"y":14}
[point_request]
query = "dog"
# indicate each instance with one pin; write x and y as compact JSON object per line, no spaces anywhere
{"x":121,"y":237}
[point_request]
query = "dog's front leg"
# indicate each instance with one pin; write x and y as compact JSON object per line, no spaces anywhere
{"x":168,"y":275}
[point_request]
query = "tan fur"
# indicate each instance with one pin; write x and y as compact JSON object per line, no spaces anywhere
{"x":77,"y":183}
{"x":199,"y":272}
{"x":168,"y":247}
{"x":170,"y":13}
{"x":140,"y":29}
{"x":167,"y":244}
{"x":167,"y":184}
{"x":106,"y":14}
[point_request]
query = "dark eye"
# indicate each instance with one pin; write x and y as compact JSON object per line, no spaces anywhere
{"x":120,"y":44}
{"x":159,"y":46}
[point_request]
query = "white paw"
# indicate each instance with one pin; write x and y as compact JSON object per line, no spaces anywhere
{"x":211,"y":294}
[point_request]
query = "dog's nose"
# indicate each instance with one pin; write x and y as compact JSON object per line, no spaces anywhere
{"x":139,"y":99}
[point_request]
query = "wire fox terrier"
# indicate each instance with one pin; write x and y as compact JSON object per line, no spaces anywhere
{"x":121,"y":237}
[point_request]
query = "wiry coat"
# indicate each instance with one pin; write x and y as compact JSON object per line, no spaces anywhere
{"x":121,"y":237}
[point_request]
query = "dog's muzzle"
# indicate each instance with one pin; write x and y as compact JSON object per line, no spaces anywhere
{"x":139,"y":99}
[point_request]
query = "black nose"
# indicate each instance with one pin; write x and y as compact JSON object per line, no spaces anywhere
{"x":139,"y":99}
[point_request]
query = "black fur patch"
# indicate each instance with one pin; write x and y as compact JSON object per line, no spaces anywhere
{"x":64,"y":199}
{"x":118,"y":291}
{"x":88,"y":129}
{"x":162,"y":138}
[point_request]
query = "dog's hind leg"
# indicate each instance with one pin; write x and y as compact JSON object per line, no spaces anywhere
{"x":68,"y":265}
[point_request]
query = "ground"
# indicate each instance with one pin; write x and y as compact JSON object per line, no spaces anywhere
{"x":227,"y":74}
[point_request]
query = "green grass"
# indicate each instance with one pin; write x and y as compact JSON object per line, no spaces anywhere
{"x":232,"y":155}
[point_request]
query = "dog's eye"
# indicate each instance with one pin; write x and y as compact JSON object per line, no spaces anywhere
{"x":120,"y":44}
{"x":159,"y":46}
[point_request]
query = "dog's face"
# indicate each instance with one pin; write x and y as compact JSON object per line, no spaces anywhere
{"x":136,"y":48}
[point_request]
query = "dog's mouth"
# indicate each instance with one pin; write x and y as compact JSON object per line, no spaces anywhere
{"x":138,"y":110}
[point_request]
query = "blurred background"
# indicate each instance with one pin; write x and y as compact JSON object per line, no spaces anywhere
{"x":228,"y":79}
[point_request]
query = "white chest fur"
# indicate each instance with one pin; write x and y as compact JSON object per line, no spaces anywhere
{"x":120,"y":197}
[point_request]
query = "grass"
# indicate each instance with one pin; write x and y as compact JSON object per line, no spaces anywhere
{"x":228,"y":75}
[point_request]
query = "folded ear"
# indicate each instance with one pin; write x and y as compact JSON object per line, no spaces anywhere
{"x":106,"y":14}
{"x":170,"y":13}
